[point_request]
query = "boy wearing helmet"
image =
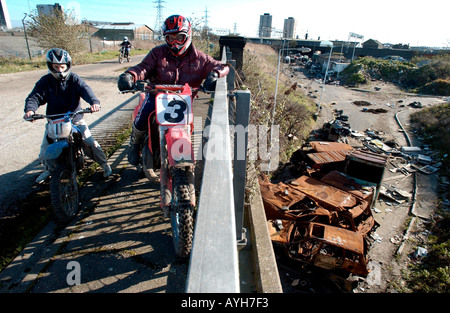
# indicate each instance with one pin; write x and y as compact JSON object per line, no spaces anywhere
{"x":126,"y":45}
{"x":175,"y":62}
{"x":61,"y":90}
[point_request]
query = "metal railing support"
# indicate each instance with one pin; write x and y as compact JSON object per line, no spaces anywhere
{"x":213,"y":264}
{"x":240,"y":159}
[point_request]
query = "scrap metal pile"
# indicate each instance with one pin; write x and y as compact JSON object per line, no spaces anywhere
{"x":324,"y":217}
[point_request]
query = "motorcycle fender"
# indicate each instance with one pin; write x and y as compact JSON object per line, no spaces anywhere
{"x":179,"y":146}
{"x":54,"y":150}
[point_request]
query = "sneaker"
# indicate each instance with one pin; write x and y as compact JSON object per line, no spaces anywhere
{"x":107,"y":171}
{"x":41,"y":178}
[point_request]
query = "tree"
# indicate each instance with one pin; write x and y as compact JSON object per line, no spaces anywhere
{"x":57,"y":29}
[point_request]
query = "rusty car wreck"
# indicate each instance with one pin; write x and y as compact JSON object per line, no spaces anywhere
{"x":325,"y":220}
{"x":324,"y":246}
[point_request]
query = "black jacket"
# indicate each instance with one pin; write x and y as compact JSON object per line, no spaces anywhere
{"x":60,"y":96}
{"x":125,"y":44}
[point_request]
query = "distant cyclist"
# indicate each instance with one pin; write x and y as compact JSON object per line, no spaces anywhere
{"x":126,"y":45}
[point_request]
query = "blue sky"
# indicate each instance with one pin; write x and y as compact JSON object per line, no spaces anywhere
{"x":388,"y":21}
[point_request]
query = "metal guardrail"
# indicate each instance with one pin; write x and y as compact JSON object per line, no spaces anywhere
{"x":214,"y":264}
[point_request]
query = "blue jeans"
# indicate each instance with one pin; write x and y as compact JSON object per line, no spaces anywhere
{"x":141,"y":120}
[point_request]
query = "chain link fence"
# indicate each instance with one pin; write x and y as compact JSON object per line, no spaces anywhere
{"x":14,"y":44}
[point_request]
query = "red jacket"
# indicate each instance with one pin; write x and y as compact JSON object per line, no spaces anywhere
{"x":162,"y":67}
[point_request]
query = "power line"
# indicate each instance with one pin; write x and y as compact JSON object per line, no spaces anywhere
{"x":206,"y":18}
{"x":159,"y":16}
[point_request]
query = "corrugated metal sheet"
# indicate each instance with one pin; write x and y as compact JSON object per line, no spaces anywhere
{"x":328,"y":156}
{"x":369,"y":157}
{"x":321,"y":146}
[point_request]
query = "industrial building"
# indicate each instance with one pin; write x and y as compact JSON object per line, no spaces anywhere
{"x":116,"y":31}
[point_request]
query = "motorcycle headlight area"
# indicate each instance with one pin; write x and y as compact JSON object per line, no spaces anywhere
{"x":58,"y":129}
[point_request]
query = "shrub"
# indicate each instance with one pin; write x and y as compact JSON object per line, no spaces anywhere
{"x":434,"y":123}
{"x":431,"y":78}
{"x":437,"y":87}
{"x":432,"y":274}
{"x":293,"y":110}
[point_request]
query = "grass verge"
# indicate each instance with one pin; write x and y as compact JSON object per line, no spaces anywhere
{"x":14,"y":64}
{"x":431,"y":274}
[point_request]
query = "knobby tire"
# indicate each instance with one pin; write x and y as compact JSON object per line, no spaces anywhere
{"x":64,"y":193}
{"x":181,"y":214}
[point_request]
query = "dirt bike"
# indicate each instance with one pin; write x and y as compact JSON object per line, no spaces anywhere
{"x":65,"y":158}
{"x":168,"y":146}
{"x":124,"y":54}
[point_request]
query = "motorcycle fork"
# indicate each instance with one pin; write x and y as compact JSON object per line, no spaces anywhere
{"x":165,"y":178}
{"x":71,"y":158}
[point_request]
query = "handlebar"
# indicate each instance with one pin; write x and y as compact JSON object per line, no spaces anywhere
{"x":70,"y":114}
{"x":147,"y":86}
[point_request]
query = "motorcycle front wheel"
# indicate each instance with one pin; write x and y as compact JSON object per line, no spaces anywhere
{"x":121,"y":58}
{"x":181,"y":214}
{"x":64,"y":193}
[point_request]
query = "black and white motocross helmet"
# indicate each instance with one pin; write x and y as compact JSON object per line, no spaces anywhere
{"x":59,"y":56}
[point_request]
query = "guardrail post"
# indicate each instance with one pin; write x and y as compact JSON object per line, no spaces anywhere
{"x":231,"y":75}
{"x":240,"y":159}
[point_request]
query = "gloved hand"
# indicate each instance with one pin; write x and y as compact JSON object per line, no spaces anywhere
{"x":210,"y":81}
{"x":125,"y":82}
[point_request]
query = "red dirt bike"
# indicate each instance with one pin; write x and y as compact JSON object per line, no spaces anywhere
{"x":168,"y":146}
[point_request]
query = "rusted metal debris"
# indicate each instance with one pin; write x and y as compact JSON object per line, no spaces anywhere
{"x":324,"y":217}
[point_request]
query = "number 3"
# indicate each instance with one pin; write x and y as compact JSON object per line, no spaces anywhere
{"x":179,"y":111}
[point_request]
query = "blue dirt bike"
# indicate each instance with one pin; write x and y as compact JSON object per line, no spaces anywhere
{"x":65,"y":159}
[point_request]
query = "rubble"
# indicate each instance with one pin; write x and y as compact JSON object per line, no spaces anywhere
{"x":322,"y":213}
{"x":375,"y":111}
{"x":362,"y":103}
{"x":395,"y":194}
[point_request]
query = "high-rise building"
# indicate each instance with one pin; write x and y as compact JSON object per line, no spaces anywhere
{"x":290,"y":24}
{"x":265,"y":25}
{"x":47,"y":9}
{"x":5,"y":21}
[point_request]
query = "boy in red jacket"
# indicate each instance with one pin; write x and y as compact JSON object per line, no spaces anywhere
{"x":176,"y":62}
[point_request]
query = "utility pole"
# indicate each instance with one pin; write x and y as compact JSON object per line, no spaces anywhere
{"x":86,"y":28}
{"x":25,"y":33}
